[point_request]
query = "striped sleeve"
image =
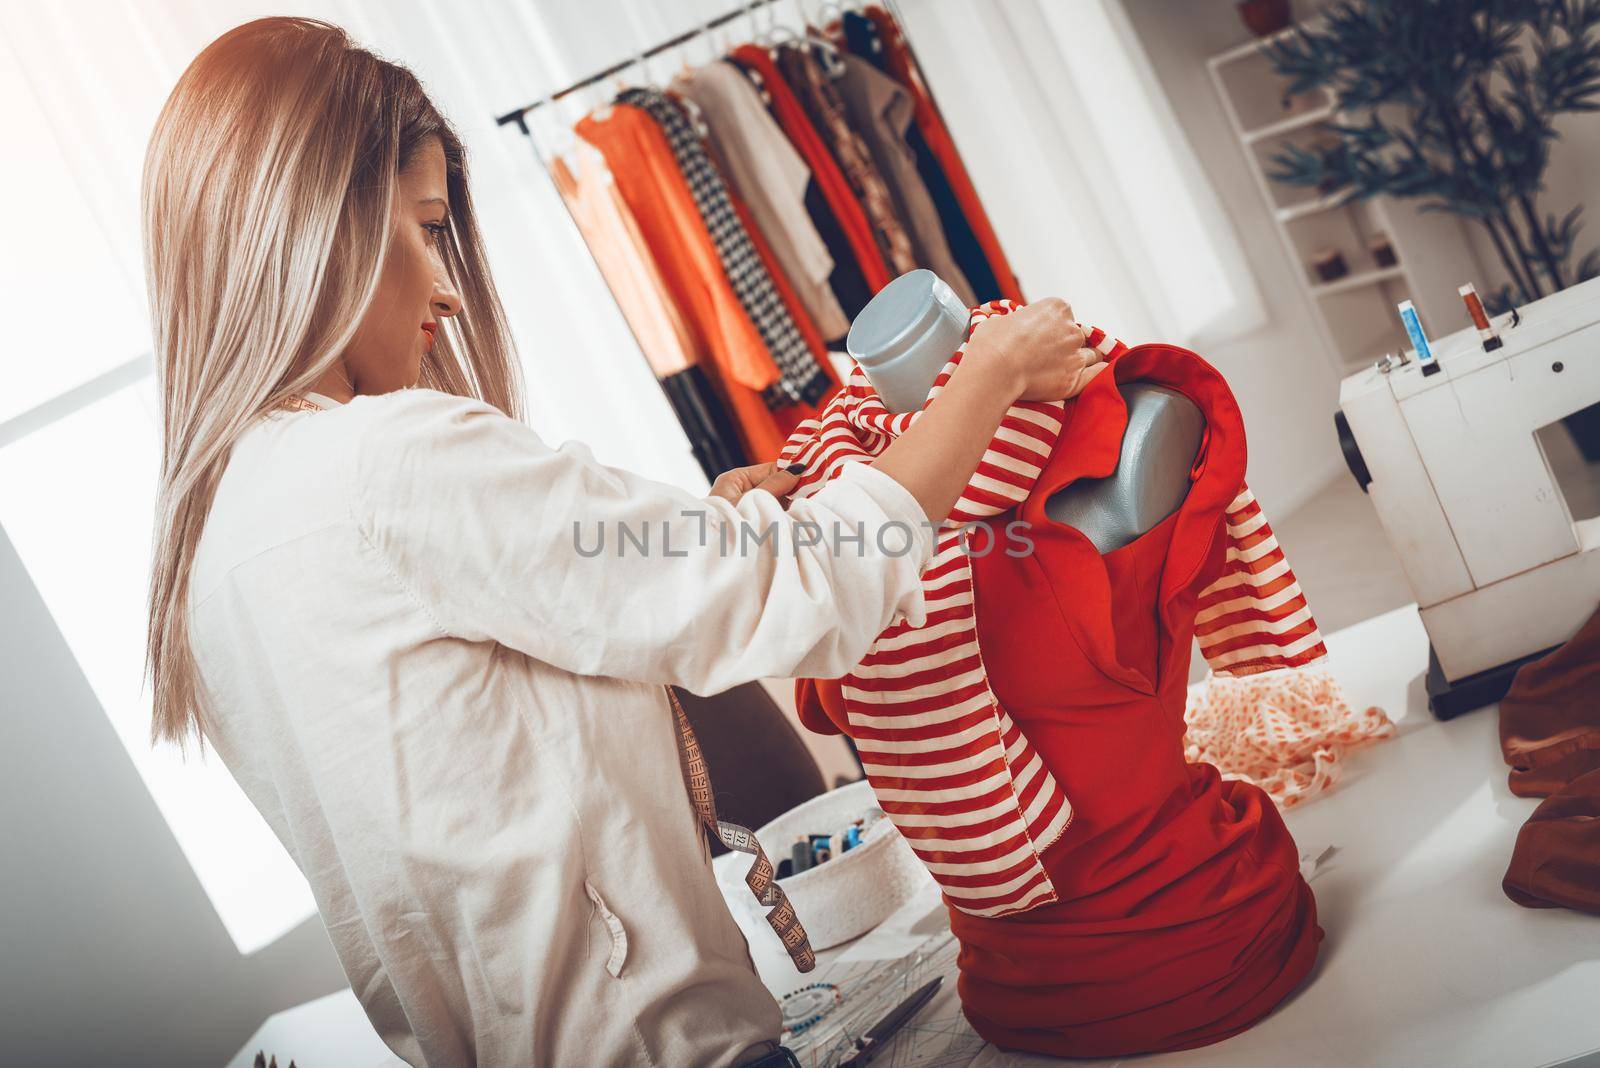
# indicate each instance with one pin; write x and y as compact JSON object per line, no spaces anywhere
{"x":1254,"y":617}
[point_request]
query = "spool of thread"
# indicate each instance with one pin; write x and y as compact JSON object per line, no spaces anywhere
{"x":821,"y":851}
{"x":1419,"y":341}
{"x":1480,"y":319}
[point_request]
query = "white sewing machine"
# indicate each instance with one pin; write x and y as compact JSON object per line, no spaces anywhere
{"x":1499,"y":566}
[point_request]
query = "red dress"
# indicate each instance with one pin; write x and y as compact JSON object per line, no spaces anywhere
{"x":1180,"y":915}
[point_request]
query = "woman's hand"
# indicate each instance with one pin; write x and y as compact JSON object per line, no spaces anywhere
{"x":778,"y":481}
{"x":1039,"y":348}
{"x":1035,"y":353}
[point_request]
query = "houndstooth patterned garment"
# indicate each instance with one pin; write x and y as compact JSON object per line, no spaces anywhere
{"x":802,"y":380}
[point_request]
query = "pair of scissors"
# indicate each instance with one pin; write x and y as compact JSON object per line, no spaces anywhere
{"x":881,"y":1033}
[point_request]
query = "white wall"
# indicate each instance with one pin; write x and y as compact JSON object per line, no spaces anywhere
{"x":1282,"y":377}
{"x":110,"y":952}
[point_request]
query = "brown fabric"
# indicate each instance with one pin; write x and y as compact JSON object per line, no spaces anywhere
{"x":1550,"y":735}
{"x":881,"y":111}
{"x":1550,"y":718}
{"x":1556,"y":862}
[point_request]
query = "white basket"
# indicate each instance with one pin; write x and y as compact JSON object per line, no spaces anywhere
{"x":849,"y":895}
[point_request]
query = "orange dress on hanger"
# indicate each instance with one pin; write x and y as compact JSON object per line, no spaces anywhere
{"x":647,"y":175}
{"x":612,"y":234}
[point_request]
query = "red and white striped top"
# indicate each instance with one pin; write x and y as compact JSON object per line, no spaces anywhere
{"x":949,"y":766}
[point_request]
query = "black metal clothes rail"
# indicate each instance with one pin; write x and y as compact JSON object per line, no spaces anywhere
{"x":519,"y":115}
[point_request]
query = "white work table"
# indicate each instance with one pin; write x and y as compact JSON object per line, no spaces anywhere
{"x":1426,"y":962}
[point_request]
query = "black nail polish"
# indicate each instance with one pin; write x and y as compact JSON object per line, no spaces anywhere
{"x":796,"y":469}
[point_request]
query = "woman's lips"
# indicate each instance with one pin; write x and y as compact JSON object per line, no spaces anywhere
{"x":427,"y":331}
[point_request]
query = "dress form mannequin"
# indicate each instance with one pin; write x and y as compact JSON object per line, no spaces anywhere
{"x":906,"y":334}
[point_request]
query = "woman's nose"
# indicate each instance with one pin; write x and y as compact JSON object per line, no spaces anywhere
{"x":446,"y":300}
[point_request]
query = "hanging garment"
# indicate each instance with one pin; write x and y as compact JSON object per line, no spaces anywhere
{"x":881,"y":110}
{"x":815,"y":90}
{"x":1169,"y":913}
{"x":797,"y":127}
{"x":821,"y":385}
{"x":849,"y":285}
{"x":763,"y":168}
{"x":966,"y":222}
{"x":864,"y":41}
{"x":826,"y":191}
{"x":745,"y":271}
{"x":611,"y":233}
{"x":704,"y":417}
{"x":647,"y":176}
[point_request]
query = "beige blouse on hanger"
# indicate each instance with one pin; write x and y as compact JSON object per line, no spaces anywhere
{"x":771,"y":178}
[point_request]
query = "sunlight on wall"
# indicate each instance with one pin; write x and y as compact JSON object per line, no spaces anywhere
{"x":75,"y":501}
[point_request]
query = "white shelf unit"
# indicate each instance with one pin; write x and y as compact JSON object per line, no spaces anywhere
{"x":1356,"y":313}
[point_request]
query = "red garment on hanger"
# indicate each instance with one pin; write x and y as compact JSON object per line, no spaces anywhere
{"x":791,"y":116}
{"x":943,"y":146}
{"x":1180,"y":916}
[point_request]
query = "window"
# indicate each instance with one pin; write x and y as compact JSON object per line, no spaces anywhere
{"x":79,"y":455}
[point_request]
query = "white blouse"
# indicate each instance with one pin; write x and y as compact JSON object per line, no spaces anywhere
{"x":447,"y":704}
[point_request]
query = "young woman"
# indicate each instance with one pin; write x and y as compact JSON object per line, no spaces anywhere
{"x":375,"y":591}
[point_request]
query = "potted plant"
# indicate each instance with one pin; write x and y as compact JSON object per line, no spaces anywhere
{"x":1453,"y":102}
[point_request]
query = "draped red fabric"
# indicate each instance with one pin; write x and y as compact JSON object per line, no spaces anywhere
{"x":1179,"y":915}
{"x":1182,"y":917}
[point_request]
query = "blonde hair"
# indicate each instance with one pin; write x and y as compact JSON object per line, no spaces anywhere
{"x":268,"y":192}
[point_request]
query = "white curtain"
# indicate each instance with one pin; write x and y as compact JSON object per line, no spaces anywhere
{"x":92,"y":77}
{"x":1083,"y":168}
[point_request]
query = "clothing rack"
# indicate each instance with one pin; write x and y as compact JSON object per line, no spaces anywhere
{"x":519,"y":116}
